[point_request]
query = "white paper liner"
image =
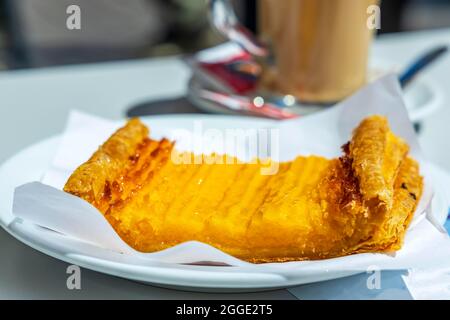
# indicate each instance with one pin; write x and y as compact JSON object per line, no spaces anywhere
{"x":81,"y":229}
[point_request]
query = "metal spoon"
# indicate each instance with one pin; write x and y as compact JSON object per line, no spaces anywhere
{"x":241,"y":104}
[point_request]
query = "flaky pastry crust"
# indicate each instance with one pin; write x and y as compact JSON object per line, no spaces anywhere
{"x":312,"y":208}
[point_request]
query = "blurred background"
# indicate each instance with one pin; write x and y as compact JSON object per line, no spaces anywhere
{"x":33,"y":33}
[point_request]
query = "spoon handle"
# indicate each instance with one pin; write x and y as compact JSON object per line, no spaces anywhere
{"x":418,"y":65}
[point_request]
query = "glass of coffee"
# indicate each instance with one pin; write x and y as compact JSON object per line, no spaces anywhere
{"x":318,"y":49}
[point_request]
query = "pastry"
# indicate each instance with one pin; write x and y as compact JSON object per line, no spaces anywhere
{"x":312,"y":208}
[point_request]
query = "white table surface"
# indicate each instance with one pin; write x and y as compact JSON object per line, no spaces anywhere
{"x":34,"y":105}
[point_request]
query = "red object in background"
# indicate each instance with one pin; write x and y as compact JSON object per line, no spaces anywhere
{"x":239,"y":83}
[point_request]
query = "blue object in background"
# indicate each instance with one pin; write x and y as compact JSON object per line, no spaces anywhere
{"x":447,"y":222}
{"x":412,"y":70}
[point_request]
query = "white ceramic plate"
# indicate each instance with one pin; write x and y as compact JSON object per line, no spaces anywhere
{"x":30,"y":164}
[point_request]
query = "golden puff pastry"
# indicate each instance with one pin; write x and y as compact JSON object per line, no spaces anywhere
{"x":312,"y":208}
